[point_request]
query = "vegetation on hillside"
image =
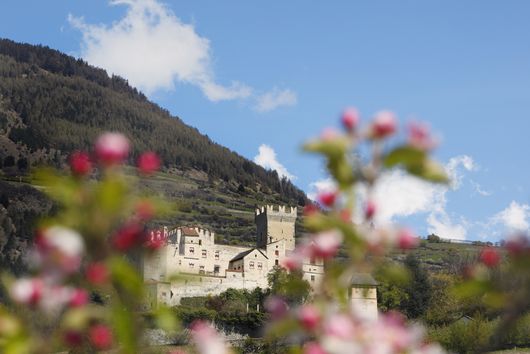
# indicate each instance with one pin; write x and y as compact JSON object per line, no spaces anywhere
{"x":52,"y":104}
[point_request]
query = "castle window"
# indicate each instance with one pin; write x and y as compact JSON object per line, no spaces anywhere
{"x":276,"y":262}
{"x":192,"y":250}
{"x":260,"y":265}
{"x":192,"y":265}
{"x":251,"y":265}
{"x":216,"y":268}
{"x":276,"y":253}
{"x":204,"y":253}
{"x":200,"y":242}
{"x":312,"y":278}
{"x":216,"y":254}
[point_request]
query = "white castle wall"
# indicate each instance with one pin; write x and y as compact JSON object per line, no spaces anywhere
{"x":193,"y":251}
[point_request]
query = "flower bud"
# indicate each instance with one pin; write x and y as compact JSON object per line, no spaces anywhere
{"x":310,"y":209}
{"x":148,"y":163}
{"x":384,"y":125}
{"x":407,"y":239}
{"x":369,"y":210}
{"x":97,"y":273}
{"x":490,"y":257}
{"x":309,"y":317}
{"x":327,"y":198}
{"x":80,"y":164}
{"x":27,"y":291}
{"x":350,"y":119}
{"x":128,"y":236}
{"x":419,"y":136}
{"x":79,"y":298}
{"x":112,"y":148}
{"x":100,"y":336}
{"x":326,"y":244}
{"x":73,"y":338}
{"x":313,"y":348}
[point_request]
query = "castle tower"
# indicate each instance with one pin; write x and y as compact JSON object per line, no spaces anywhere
{"x":275,"y":224}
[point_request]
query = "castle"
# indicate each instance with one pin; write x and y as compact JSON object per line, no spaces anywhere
{"x":209,"y":268}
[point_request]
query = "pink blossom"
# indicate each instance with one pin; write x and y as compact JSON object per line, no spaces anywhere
{"x":326,"y":244}
{"x":384,"y":124}
{"x":79,"y":298}
{"x":339,"y":325}
{"x":148,"y":163}
{"x":420,"y":137}
{"x":490,"y":257}
{"x":100,"y":336}
{"x":407,"y":239}
{"x":350,"y":119}
{"x":369,"y":210}
{"x":329,"y":134}
{"x":309,"y":317}
{"x":27,"y":291}
{"x":327,"y":198}
{"x":97,"y":273}
{"x":59,"y":250}
{"x":128,"y":236}
{"x":73,"y":338}
{"x":207,"y":339}
{"x":310,"y":209}
{"x":313,"y":348}
{"x":80,"y":164}
{"x":111,"y":148}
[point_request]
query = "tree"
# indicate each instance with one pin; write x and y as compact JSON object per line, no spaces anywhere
{"x":419,"y":289}
{"x":289,"y":285}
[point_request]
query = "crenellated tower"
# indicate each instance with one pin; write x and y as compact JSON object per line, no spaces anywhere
{"x":275,"y":224}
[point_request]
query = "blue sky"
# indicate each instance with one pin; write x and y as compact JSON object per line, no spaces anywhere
{"x":278,"y":72}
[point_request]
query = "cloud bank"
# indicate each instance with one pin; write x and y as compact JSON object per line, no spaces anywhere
{"x":152,"y":48}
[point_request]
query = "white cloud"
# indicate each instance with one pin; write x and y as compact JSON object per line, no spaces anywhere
{"x":441,"y":224}
{"x":152,"y":48}
{"x":454,"y":166}
{"x":266,"y":158}
{"x":398,"y":194}
{"x":274,"y":99}
{"x":514,"y":217}
{"x":478,"y":188}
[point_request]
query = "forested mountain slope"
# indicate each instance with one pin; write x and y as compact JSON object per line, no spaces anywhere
{"x":52,"y":104}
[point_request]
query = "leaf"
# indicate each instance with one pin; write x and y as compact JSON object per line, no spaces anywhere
{"x":332,"y":148}
{"x":126,"y":276}
{"x":123,"y":321}
{"x":430,"y":171}
{"x":417,"y":163}
{"x":110,"y":195}
{"x":165,"y":319}
{"x":404,"y":155}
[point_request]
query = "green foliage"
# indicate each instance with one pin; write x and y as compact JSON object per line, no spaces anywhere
{"x":65,"y":103}
{"x":417,"y":163}
{"x":289,"y":285}
{"x":444,"y":306}
{"x":464,"y":336}
{"x":419,"y":289}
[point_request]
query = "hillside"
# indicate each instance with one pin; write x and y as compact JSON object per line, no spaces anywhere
{"x":52,"y":104}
